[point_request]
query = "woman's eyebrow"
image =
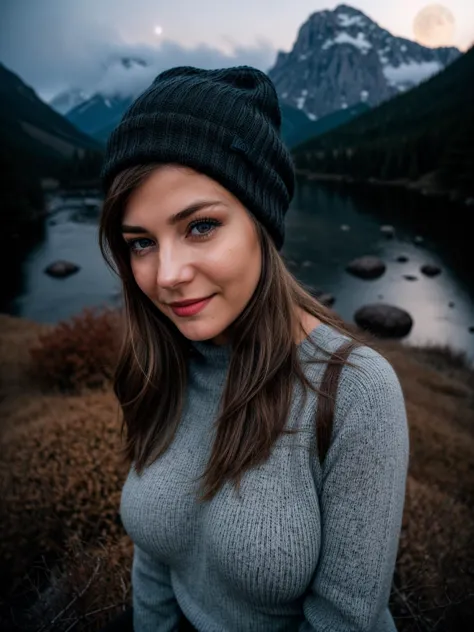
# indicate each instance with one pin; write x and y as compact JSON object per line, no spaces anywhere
{"x":175,"y":219}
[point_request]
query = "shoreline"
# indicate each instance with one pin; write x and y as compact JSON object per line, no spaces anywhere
{"x":425,"y":186}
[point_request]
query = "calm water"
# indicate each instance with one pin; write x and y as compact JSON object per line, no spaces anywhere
{"x":315,"y":243}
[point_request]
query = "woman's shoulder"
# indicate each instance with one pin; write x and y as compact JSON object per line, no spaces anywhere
{"x":366,"y":370}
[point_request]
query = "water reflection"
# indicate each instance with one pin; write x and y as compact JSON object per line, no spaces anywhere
{"x":442,"y":307}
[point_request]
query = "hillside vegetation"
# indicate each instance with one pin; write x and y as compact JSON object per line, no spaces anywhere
{"x":429,"y":129}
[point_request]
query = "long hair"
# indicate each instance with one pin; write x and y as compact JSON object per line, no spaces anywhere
{"x":151,"y":373}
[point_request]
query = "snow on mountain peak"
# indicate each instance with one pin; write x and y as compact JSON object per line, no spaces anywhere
{"x":359,"y":42}
{"x":345,"y":19}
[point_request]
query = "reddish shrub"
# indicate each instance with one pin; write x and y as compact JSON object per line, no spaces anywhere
{"x":79,"y":353}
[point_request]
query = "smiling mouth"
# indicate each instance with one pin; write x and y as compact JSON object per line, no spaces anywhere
{"x":190,"y":301}
{"x":191,"y":308}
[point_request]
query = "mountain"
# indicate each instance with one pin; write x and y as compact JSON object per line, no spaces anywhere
{"x":99,"y":113}
{"x":65,"y":101}
{"x":297,"y":127}
{"x":33,"y":128}
{"x":35,"y":142}
{"x":428,"y":130}
{"x":90,"y":115}
{"x":342,"y":57}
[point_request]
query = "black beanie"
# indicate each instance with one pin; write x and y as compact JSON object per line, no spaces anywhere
{"x":224,"y":123}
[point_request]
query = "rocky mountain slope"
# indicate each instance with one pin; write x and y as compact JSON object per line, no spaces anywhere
{"x":342,"y":57}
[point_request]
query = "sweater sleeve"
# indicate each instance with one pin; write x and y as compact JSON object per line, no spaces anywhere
{"x":362,"y":500}
{"x":155,"y":608}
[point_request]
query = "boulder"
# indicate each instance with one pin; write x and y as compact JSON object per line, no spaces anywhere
{"x":430,"y":270}
{"x":387,"y":230}
{"x":410,"y":277}
{"x":402,"y":259}
{"x":345,"y":227}
{"x":61,"y":268}
{"x":386,"y":321}
{"x":327,"y":299}
{"x":323,"y":297}
{"x":366,"y":267}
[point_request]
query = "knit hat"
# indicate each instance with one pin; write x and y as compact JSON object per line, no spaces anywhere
{"x":224,"y":123}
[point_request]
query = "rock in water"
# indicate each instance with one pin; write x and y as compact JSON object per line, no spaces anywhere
{"x":387,"y":230}
{"x":323,"y":297}
{"x":430,"y":270}
{"x":386,"y":321}
{"x":326,"y":299}
{"x":366,"y":267}
{"x":61,"y":268}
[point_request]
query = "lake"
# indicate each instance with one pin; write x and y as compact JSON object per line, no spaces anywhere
{"x":316,"y":246}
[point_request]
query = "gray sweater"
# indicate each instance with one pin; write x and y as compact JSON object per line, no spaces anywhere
{"x":305,"y":548}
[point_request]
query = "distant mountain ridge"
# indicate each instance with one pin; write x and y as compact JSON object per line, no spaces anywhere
{"x":67,"y":100}
{"x":342,"y":57}
{"x":91,"y":114}
{"x":33,"y":128}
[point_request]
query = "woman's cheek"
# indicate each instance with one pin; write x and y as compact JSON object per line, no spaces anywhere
{"x":143,"y":276}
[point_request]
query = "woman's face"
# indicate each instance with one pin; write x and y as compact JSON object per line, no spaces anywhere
{"x":190,"y":238}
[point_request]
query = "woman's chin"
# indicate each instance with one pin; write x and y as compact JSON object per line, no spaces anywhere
{"x":197,"y":332}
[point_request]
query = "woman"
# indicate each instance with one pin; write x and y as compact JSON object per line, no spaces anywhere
{"x":239,"y":523}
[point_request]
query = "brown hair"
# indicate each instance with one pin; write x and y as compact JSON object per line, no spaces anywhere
{"x":151,"y":373}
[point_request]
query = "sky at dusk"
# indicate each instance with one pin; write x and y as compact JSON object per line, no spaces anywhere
{"x":58,"y":44}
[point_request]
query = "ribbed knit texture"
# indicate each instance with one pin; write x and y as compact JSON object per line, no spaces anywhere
{"x":224,"y":123}
{"x":304,"y":548}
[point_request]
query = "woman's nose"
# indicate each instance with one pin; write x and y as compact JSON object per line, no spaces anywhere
{"x":174,"y":267}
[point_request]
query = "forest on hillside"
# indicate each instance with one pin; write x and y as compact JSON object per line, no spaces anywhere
{"x":428,"y":130}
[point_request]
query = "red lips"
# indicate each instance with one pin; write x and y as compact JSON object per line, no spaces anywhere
{"x":187,"y":302}
{"x":190,"y":307}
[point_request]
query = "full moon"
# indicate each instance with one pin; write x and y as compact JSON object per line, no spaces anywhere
{"x":158,"y":30}
{"x":434,"y":26}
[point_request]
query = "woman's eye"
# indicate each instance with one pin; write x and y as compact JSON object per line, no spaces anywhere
{"x":132,"y":244}
{"x":203,"y":227}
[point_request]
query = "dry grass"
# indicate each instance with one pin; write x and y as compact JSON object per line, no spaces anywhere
{"x":65,"y":558}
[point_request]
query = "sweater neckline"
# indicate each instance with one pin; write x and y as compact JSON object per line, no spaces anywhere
{"x":220,"y":354}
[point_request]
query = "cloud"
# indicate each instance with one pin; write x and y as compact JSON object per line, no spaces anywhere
{"x":116,"y":79}
{"x":54,"y":46}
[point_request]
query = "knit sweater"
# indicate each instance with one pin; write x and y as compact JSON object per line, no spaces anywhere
{"x":304,"y":548}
